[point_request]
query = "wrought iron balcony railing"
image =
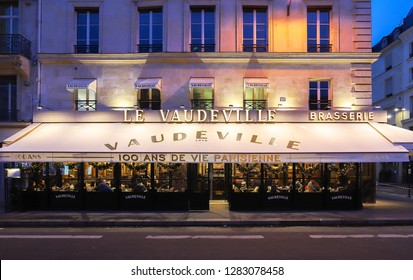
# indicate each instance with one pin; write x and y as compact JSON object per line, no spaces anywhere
{"x":85,"y":105}
{"x":255,"y":104}
{"x":202,"y":103}
{"x":202,"y":47}
{"x":86,"y":48}
{"x":151,"y":105}
{"x":319,"y":48}
{"x":8,"y":115}
{"x":148,"y":48}
{"x":255,"y":47}
{"x":14,"y":44}
{"x":319,"y":104}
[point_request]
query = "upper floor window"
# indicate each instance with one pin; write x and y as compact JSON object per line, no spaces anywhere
{"x":202,"y":93}
{"x":411,"y":50}
{"x":255,"y":93}
{"x":87,"y":31}
{"x":203,"y":29}
{"x":319,"y":95}
{"x":8,"y":100}
{"x":84,"y":94}
{"x":9,"y":15}
{"x":149,"y":93}
{"x":318,"y":30}
{"x":388,"y":87}
{"x":255,"y":26}
{"x":150,"y":30}
{"x":388,"y":61}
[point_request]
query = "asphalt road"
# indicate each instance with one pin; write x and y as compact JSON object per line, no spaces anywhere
{"x":292,"y":243}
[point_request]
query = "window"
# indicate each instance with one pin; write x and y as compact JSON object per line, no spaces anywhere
{"x":411,"y":50}
{"x":150,"y":30}
{"x":202,"y":29}
{"x":388,"y":87}
{"x":411,"y":107}
{"x":255,"y":98}
{"x":149,"y":98}
{"x":411,"y":74}
{"x":318,"y":30}
{"x":255,"y":30}
{"x":85,"y":100}
{"x":319,"y":95}
{"x":8,"y":104}
{"x":388,"y":61}
{"x":9,"y":15}
{"x":202,"y":98}
{"x":87,"y":31}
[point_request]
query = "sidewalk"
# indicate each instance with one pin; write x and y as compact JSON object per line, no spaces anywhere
{"x":390,"y":209}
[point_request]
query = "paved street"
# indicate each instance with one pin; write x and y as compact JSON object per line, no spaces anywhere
{"x":208,"y":243}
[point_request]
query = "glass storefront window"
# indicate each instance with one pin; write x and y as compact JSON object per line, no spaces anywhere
{"x":309,"y":177}
{"x":278,"y":178}
{"x":171,"y":177}
{"x":34,"y":178}
{"x":246,"y":177}
{"x":64,"y":177}
{"x":96,"y":173}
{"x":342,"y":177}
{"x":136,"y":177}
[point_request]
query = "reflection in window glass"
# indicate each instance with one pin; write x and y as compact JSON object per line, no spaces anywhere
{"x":278,"y":178}
{"x":246,"y":177}
{"x":171,"y":177}
{"x":136,"y":177}
{"x":99,"y":172}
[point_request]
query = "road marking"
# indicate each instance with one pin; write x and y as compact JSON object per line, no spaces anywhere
{"x":50,"y":236}
{"x":204,"y":237}
{"x":341,"y":236}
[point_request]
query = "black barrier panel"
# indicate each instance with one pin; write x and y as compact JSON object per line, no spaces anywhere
{"x":171,"y":201}
{"x":277,"y":201}
{"x":344,"y":200}
{"x":101,"y":201}
{"x":136,"y":201}
{"x":34,"y":200}
{"x":244,"y":201}
{"x":308,"y":201}
{"x":66,"y":201}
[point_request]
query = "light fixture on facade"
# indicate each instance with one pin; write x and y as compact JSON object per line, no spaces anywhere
{"x":182,"y":106}
{"x":230,"y":105}
{"x":283,"y":99}
{"x":39,"y":107}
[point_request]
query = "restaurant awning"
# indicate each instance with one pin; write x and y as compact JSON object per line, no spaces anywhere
{"x":256,"y":83}
{"x":201,"y":83}
{"x":148,"y":83}
{"x":204,"y":142}
{"x":89,"y":84}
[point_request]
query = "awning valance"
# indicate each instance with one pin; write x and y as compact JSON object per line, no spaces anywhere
{"x":148,"y":83}
{"x":202,"y":142}
{"x":89,"y":84}
{"x":256,"y":83}
{"x":201,"y":83}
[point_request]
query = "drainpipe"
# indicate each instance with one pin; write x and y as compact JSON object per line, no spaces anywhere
{"x":39,"y":39}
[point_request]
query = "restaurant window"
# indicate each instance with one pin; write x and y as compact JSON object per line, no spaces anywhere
{"x":202,"y":93}
{"x":150,"y":30}
{"x":308,"y":177}
{"x":388,"y":87}
{"x":136,"y":177}
{"x":318,"y":30}
{"x":8,"y":98}
{"x":87,"y":40}
{"x":149,"y":98}
{"x":64,"y":177}
{"x":97,"y":173}
{"x":202,"y":29}
{"x":341,"y":177}
{"x":9,"y":17}
{"x":34,"y":176}
{"x":246,"y":177}
{"x":171,"y":177}
{"x":319,"y":95}
{"x":278,"y":178}
{"x":255,"y":34}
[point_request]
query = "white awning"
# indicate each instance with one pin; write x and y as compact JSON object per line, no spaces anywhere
{"x":256,"y":83}
{"x":396,"y":135}
{"x":148,"y":83}
{"x":89,"y":84}
{"x":201,"y":83}
{"x":202,"y":142}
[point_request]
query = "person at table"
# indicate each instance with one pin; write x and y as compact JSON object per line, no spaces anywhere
{"x":42,"y":185}
{"x":103,"y":187}
{"x":139,"y":187}
{"x":313,"y":186}
{"x":32,"y":186}
{"x":65,"y":186}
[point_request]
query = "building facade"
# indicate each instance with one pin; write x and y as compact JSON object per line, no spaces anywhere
{"x":265,"y":104}
{"x":392,"y":89}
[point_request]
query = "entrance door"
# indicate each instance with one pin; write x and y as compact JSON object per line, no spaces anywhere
{"x":217,"y":181}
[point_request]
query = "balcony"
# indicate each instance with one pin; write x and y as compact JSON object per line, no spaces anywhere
{"x":85,"y":105}
{"x":202,"y":47}
{"x":149,"y":48}
{"x":86,"y":48}
{"x":319,"y":48}
{"x":255,"y":104}
{"x":202,"y":103}
{"x":8,"y":115}
{"x":319,"y":104}
{"x":255,"y":47}
{"x":14,"y":44}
